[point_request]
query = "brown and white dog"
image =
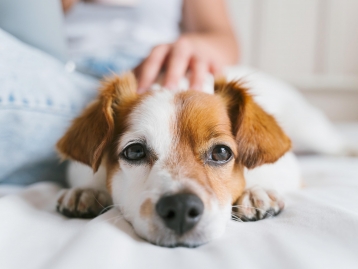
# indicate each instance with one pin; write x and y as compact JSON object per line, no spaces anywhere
{"x":174,"y":163}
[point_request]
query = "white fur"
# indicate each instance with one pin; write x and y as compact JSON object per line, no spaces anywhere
{"x":152,"y":120}
{"x":282,"y":176}
{"x":80,"y":175}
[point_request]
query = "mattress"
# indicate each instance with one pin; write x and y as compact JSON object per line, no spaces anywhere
{"x":318,"y":229}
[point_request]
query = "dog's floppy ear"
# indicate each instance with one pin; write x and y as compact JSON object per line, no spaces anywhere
{"x":260,"y":139}
{"x":93,"y":130}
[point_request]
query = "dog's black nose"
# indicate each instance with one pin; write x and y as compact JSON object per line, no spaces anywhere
{"x":180,"y":212}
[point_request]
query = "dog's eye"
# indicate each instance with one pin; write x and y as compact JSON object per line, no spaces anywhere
{"x":134,"y":152}
{"x":221,"y":153}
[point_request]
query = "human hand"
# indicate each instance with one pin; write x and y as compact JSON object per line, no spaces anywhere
{"x":191,"y":53}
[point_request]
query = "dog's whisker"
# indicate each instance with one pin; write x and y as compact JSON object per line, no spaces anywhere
{"x":107,"y":220}
{"x":104,"y":209}
{"x":108,"y":207}
{"x":97,"y":200}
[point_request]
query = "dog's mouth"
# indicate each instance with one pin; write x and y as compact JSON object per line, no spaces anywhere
{"x":180,"y":221}
{"x":191,"y":240}
{"x":176,"y":221}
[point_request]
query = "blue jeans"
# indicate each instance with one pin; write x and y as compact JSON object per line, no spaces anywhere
{"x":38,"y":100}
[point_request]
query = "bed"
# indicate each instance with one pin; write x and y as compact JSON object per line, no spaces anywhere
{"x":318,"y":229}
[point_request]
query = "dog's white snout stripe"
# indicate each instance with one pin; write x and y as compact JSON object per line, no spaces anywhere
{"x":154,"y":119}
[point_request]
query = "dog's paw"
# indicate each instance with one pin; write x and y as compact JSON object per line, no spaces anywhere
{"x":82,"y":203}
{"x":257,"y":203}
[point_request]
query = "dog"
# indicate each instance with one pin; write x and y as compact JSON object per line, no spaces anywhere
{"x":174,"y":162}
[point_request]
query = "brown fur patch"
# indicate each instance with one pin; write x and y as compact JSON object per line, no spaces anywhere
{"x":202,"y":122}
{"x":260,"y":139}
{"x":99,"y":124}
{"x":146,"y":209}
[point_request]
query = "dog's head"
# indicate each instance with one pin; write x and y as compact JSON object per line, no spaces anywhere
{"x":174,"y":160}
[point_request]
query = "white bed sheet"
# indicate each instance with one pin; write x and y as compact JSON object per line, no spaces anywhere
{"x":318,"y":229}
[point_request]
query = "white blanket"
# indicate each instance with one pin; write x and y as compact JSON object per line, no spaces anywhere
{"x":318,"y":229}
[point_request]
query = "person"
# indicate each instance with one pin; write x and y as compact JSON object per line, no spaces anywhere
{"x":172,"y":37}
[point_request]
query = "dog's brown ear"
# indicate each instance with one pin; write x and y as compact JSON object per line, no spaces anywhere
{"x":260,"y":139}
{"x":93,"y":130}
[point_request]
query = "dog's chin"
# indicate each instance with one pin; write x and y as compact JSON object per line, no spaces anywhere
{"x":208,"y":229}
{"x":167,"y":238}
{"x":177,"y":241}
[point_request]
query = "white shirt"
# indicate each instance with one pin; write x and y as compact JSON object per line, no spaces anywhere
{"x":103,"y":32}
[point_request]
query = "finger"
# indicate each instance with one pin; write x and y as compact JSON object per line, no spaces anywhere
{"x":67,"y":4}
{"x":216,"y":69}
{"x":198,"y":69}
{"x":151,"y":66}
{"x":178,"y":63}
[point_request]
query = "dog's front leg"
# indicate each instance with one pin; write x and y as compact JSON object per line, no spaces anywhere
{"x":257,"y":203}
{"x":87,"y":197}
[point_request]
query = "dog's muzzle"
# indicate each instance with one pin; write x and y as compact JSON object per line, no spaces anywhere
{"x":180,"y":212}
